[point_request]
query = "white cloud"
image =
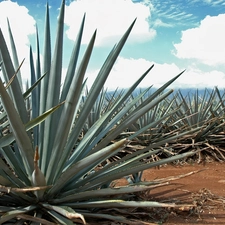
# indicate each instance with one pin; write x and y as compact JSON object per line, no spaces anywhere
{"x":111,"y":18}
{"x":160,"y":23}
{"x":195,"y":78}
{"x":22,"y":25}
{"x":126,"y":71}
{"x":204,"y":43}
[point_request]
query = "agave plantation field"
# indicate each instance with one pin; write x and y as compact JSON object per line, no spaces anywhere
{"x":64,"y":147}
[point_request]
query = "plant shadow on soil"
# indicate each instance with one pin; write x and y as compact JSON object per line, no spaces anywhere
{"x":205,"y":189}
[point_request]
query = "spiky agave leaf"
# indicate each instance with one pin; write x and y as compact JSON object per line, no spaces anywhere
{"x":66,"y":212}
{"x":53,"y":93}
{"x":9,"y":138}
{"x":18,"y":130}
{"x":15,"y":57}
{"x":15,"y":88}
{"x":69,"y":108}
{"x":11,"y":214}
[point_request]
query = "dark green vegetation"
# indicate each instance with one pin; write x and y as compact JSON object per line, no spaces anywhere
{"x":62,"y":151}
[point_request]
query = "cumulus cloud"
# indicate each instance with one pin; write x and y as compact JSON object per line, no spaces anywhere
{"x":205,"y":42}
{"x":111,"y":18}
{"x":126,"y":71}
{"x":22,"y":25}
{"x":196,"y":78}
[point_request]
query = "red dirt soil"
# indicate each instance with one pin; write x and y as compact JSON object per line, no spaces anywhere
{"x":208,"y":187}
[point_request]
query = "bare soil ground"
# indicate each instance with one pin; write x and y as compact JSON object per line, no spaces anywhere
{"x":205,"y":189}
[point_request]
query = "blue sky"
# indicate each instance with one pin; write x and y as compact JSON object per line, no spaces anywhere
{"x":173,"y":35}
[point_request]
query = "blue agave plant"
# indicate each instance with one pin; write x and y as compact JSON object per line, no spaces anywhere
{"x":48,"y":167}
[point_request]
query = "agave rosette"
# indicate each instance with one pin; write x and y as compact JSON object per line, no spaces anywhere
{"x":48,"y":165}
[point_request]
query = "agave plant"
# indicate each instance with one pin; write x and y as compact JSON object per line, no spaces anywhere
{"x":50,"y":173}
{"x":204,"y":111}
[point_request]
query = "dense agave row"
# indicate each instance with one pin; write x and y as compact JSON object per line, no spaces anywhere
{"x":53,"y":138}
{"x":203,"y":110}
